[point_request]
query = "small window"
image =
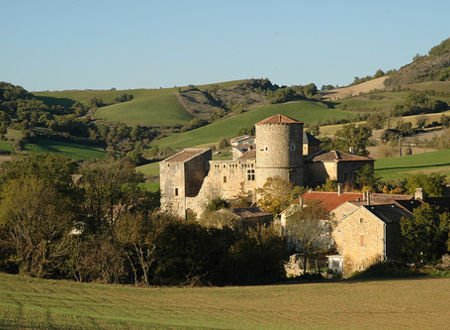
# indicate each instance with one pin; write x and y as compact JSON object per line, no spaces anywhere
{"x":361,"y":220}
{"x":292,"y":177}
{"x":176,"y":191}
{"x":292,"y":147}
{"x":251,"y":175}
{"x":266,"y":148}
{"x":224,"y":179}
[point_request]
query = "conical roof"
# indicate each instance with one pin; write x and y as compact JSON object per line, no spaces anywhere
{"x":278,"y":119}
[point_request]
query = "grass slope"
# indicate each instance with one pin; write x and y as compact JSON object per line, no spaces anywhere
{"x":413,"y":303}
{"x":308,"y":112}
{"x":399,"y":167}
{"x":67,"y":149}
{"x":155,"y":110}
{"x":6,"y":146}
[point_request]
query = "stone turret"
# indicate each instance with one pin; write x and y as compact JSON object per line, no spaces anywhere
{"x":279,"y":149}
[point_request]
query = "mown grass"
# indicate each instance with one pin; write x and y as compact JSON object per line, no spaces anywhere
{"x":308,"y":112}
{"x":155,"y":110}
{"x":13,"y":134}
{"x":67,"y":149}
{"x":150,"y":186}
{"x":399,"y":167}
{"x":413,"y":303}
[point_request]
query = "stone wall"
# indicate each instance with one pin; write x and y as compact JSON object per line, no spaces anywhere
{"x":360,"y":240}
{"x":346,"y":170}
{"x":279,"y":152}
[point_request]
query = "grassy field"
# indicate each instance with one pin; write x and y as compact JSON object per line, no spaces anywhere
{"x":151,"y":169}
{"x":6,"y":146}
{"x":150,"y":186}
{"x":155,"y":110}
{"x":399,"y":167}
{"x":308,"y":112}
{"x":411,"y":303}
{"x":67,"y":149}
{"x":153,"y":107}
{"x":330,"y":130}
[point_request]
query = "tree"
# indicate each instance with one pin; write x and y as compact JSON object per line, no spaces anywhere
{"x":37,"y":219}
{"x":433,"y":184}
{"x":275,"y":195}
{"x":379,"y":73}
{"x":352,"y":138}
{"x":137,"y":233}
{"x":425,"y":235}
{"x":308,"y":230}
{"x":224,"y":143}
{"x":366,"y":178}
{"x":376,"y":120}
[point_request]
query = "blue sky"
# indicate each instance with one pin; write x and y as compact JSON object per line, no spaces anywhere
{"x":55,"y":45}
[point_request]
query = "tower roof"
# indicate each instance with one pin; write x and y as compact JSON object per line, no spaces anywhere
{"x":278,"y":119}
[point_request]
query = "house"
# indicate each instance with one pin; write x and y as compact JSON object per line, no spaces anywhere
{"x":369,"y":233}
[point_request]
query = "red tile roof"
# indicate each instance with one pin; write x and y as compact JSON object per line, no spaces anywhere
{"x":249,"y":154}
{"x":278,"y":119}
{"x":185,"y":155}
{"x":329,"y":156}
{"x":331,"y":200}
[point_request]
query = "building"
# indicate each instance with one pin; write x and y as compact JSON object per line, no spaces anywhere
{"x":369,"y":233}
{"x":190,"y":178}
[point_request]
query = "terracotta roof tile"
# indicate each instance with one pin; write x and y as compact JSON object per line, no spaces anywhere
{"x":278,"y":119}
{"x":185,"y":155}
{"x":249,"y":154}
{"x":334,"y":155}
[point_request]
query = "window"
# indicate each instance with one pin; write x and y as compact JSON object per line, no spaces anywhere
{"x":224,"y":179}
{"x":176,"y":191}
{"x":251,"y":175}
{"x":291,"y":176}
{"x":266,"y":148}
{"x":361,"y":220}
{"x":292,"y":147}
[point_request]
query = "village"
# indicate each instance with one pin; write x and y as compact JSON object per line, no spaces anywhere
{"x":363,"y":228}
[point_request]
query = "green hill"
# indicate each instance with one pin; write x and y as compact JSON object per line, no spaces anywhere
{"x":155,"y":110}
{"x":306,"y":111}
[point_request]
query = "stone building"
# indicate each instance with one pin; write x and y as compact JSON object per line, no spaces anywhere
{"x":190,"y":178}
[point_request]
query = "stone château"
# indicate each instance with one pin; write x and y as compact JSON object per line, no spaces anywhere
{"x":190,"y":178}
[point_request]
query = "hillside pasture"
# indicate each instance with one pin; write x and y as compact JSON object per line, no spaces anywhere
{"x":67,"y":149}
{"x":306,"y":111}
{"x":156,"y":110}
{"x":412,"y":303}
{"x":400,"y":167}
{"x":365,"y":87}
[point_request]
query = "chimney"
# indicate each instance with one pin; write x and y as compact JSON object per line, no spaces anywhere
{"x":300,"y":202}
{"x":339,"y":188}
{"x":418,"y":194}
{"x":364,"y":196}
{"x":368,"y":198}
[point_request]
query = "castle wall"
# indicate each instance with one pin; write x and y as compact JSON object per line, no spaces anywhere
{"x":279,"y":151}
{"x":318,"y":172}
{"x":346,"y":171}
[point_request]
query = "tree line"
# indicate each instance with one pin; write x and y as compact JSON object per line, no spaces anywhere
{"x":93,"y":222}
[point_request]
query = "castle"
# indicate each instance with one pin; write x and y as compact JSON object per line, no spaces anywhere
{"x":190,"y":178}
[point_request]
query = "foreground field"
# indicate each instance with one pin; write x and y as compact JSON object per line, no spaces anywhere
{"x":399,"y":167}
{"x":415,"y":303}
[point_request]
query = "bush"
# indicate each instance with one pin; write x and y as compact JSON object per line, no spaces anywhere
{"x":386,"y":269}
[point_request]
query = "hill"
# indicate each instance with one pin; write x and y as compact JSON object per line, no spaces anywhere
{"x":432,"y":67}
{"x":365,"y":87}
{"x":306,"y":111}
{"x":36,"y":303}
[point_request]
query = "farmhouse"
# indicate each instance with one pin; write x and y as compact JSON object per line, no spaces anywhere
{"x":190,"y":178}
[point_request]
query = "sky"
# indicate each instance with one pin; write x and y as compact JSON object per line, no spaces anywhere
{"x":57,"y":45}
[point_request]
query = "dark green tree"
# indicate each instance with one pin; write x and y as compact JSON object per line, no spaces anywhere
{"x":425,"y":235}
{"x":351,"y":138}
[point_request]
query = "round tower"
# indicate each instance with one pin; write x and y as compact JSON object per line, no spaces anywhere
{"x":279,"y":148}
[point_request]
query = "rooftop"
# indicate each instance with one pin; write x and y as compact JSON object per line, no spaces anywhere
{"x":309,"y":138}
{"x":389,"y":213}
{"x":249,"y":154}
{"x":250,"y":212}
{"x":334,"y":155}
{"x":185,"y":155}
{"x":278,"y":119}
